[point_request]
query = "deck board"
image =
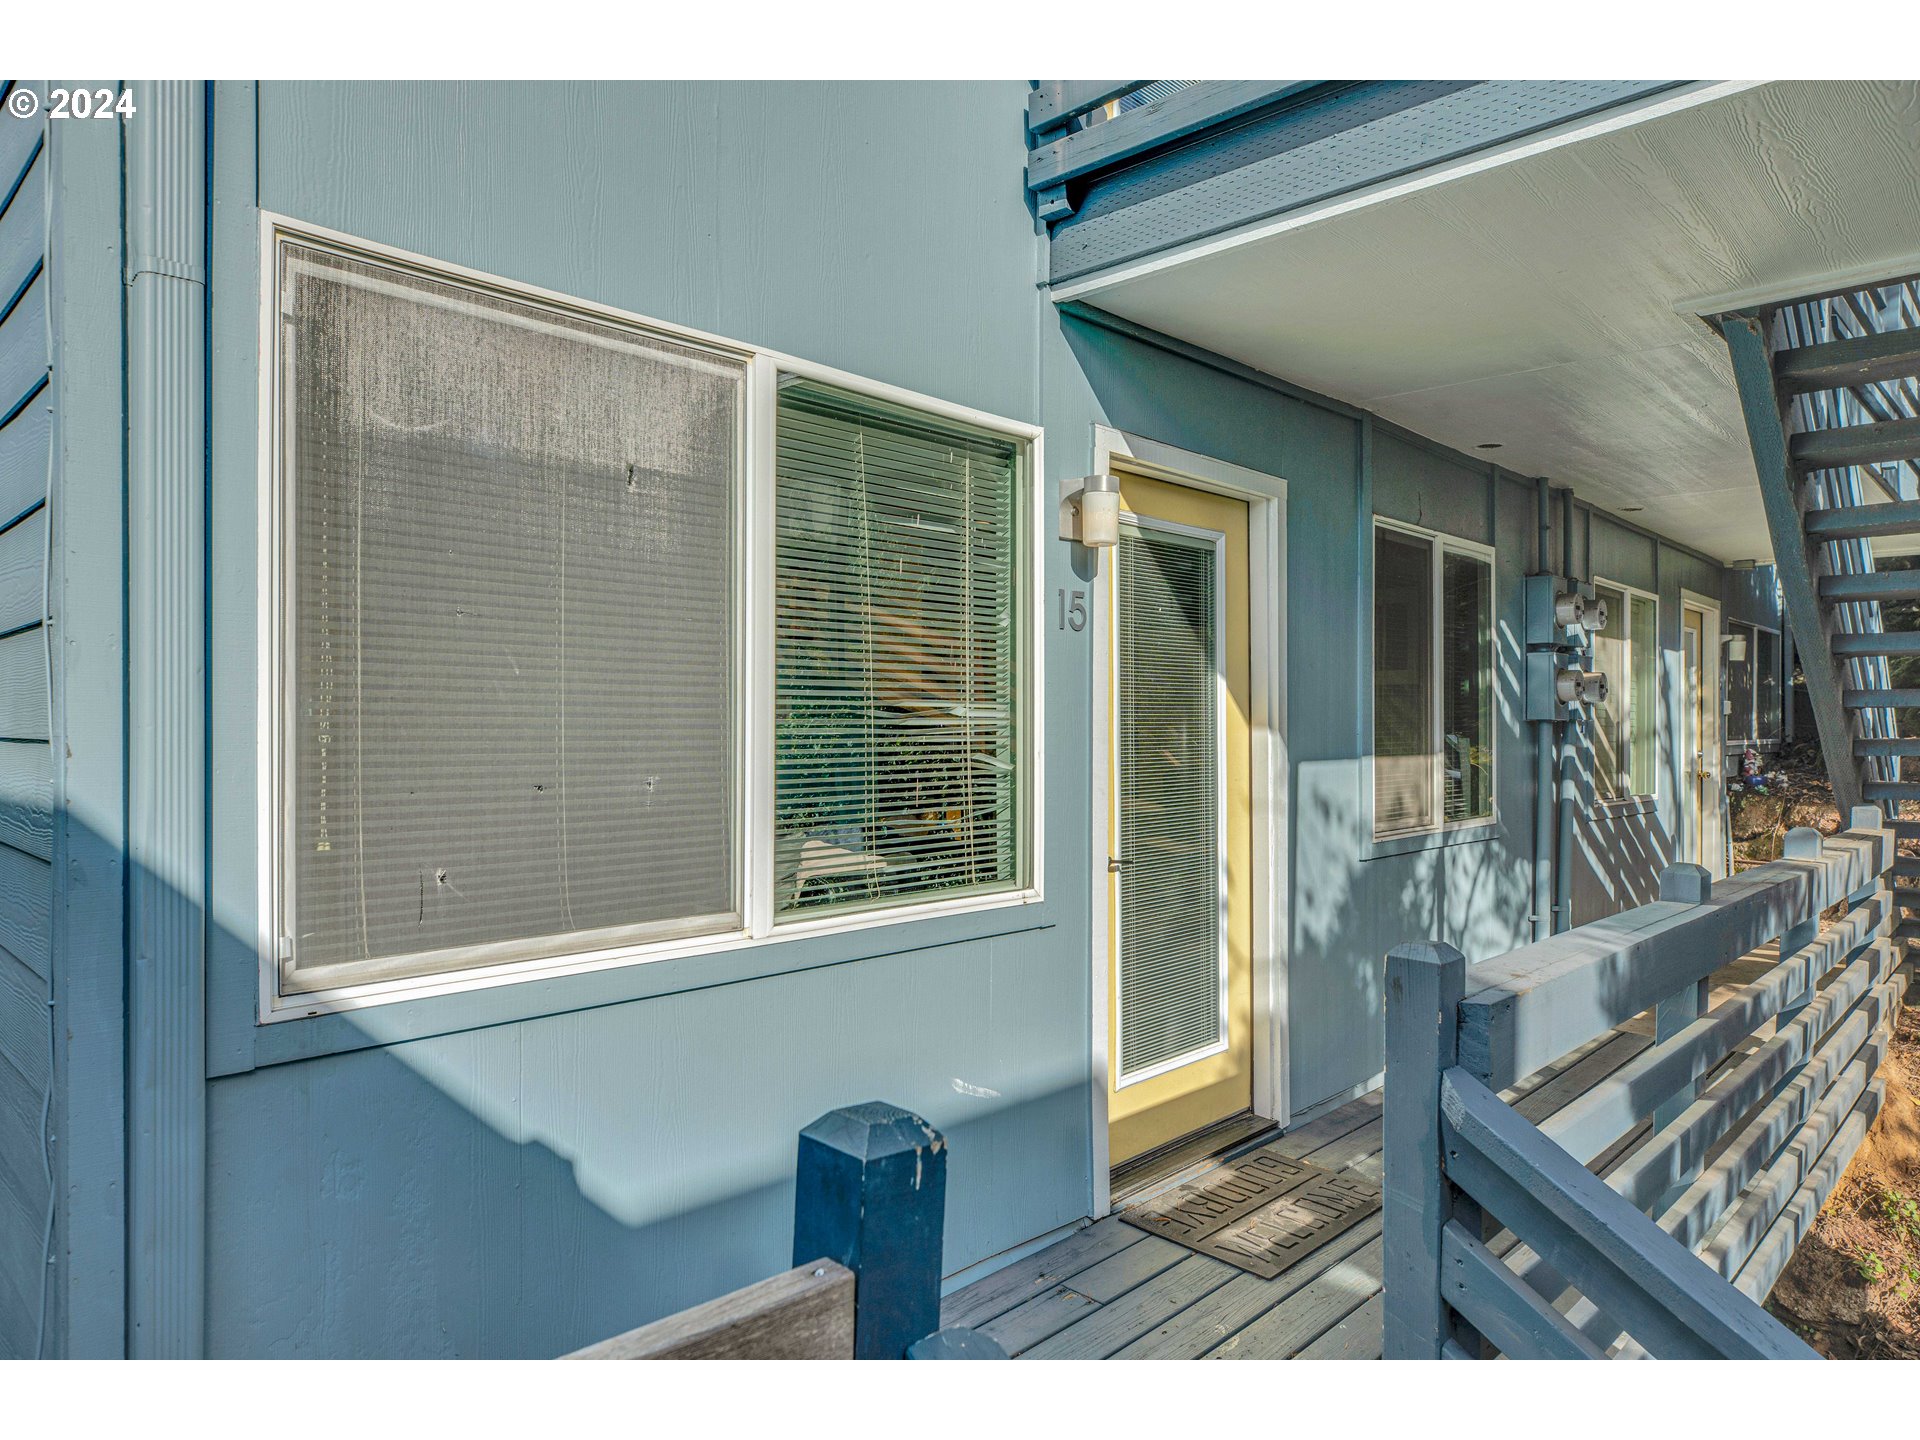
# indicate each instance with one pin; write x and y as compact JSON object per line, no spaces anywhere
{"x":1114,"y":1291}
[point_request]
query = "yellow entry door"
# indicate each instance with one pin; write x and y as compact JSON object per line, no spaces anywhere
{"x":1179,"y":836}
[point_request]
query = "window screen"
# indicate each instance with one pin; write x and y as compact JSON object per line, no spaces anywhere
{"x":1766,"y":685}
{"x":1740,"y":685}
{"x":1643,"y":698}
{"x":896,"y":728}
{"x":1466,"y":640}
{"x":1612,"y":742}
{"x":1402,"y":682}
{"x":1626,"y":726}
{"x":511,"y":625}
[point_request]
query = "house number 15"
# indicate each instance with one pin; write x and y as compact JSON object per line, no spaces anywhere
{"x":1073,"y":610}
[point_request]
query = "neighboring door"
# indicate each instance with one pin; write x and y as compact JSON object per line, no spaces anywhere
{"x":1179,"y":837}
{"x":1700,"y":718}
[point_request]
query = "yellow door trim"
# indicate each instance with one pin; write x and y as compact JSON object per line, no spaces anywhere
{"x":1164,"y":1104}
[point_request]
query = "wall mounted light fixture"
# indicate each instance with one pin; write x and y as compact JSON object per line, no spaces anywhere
{"x":1090,"y":511}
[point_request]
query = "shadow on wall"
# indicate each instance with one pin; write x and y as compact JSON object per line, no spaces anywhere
{"x":360,"y":1206}
{"x":523,"y":1189}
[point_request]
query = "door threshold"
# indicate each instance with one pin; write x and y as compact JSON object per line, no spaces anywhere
{"x":1180,"y":1160}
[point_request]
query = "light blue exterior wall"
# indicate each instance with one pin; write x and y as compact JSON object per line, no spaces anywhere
{"x":26,"y":840}
{"x":523,"y":1169}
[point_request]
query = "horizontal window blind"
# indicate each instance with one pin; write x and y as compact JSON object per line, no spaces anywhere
{"x":896,"y":651}
{"x":512,"y":625}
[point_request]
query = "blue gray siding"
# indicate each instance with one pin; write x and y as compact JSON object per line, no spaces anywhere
{"x":522,"y":1169}
{"x":26,"y":407}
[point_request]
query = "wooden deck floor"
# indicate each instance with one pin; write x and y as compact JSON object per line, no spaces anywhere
{"x":1111,"y":1291}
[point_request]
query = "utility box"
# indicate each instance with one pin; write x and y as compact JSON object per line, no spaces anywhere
{"x":1562,"y":614}
{"x":1557,"y":685}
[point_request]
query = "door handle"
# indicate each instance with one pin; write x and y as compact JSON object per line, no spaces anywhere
{"x":1115,"y":865}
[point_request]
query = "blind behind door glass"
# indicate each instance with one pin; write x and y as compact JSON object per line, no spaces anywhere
{"x":896,"y":655}
{"x":512,"y":624}
{"x":1168,"y":750}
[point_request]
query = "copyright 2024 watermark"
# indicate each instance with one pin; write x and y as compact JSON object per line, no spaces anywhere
{"x":64,"y":104}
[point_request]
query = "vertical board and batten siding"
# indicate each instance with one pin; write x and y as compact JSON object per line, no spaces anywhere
{"x":25,"y":755}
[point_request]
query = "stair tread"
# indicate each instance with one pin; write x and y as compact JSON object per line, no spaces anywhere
{"x":1857,"y":361}
{"x":1874,"y":585}
{"x":1865,"y":746}
{"x":1895,"y":699}
{"x":1877,"y":642}
{"x":1845,"y":445}
{"x":1893,"y":790}
{"x":1859,"y":522}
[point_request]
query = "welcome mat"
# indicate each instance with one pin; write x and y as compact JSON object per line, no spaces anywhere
{"x":1262,"y":1211}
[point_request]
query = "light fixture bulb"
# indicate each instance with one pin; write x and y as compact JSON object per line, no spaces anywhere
{"x":1099,"y":519}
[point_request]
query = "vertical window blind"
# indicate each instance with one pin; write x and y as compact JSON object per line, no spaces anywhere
{"x":897,"y":730}
{"x":511,"y":635}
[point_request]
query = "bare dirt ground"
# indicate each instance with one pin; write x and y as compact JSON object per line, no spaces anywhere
{"x":1853,"y":1288}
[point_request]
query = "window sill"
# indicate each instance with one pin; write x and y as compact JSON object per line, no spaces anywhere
{"x":308,"y":1030}
{"x":1385,"y":847}
{"x":1621,"y":809}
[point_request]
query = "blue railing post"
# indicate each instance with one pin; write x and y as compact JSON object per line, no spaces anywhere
{"x":871,"y":1194}
{"x":1425,"y":984}
{"x":1683,"y":885}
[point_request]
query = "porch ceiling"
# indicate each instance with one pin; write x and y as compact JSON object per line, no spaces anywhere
{"x":1548,"y":302}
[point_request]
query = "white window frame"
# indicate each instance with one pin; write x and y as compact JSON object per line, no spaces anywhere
{"x":1729,"y":740}
{"x":508,"y":963}
{"x":1440,"y":545}
{"x":1631,"y":798}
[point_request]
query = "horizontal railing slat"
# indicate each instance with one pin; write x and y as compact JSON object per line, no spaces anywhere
{"x":1591,"y":1123}
{"x":1170,"y":118}
{"x":805,"y":1314}
{"x":1756,"y":1278}
{"x":1861,"y":1037}
{"x":1849,"y":1059}
{"x":1536,"y":1003}
{"x":1612,"y":1252}
{"x":1502,"y":1308}
{"x":1055,"y":102}
{"x":1673,"y":1155}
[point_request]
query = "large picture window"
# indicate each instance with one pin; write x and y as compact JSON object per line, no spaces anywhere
{"x":1626,"y":726}
{"x":512,"y":624}
{"x":520,"y":707}
{"x":1433,"y":681}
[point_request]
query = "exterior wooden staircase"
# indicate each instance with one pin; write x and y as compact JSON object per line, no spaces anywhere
{"x":1830,"y":386}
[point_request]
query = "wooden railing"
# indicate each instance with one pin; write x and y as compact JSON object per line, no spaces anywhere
{"x":869,"y":1212}
{"x":1498,"y":1235}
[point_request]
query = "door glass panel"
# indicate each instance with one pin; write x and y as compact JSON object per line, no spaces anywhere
{"x":1171,"y":984}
